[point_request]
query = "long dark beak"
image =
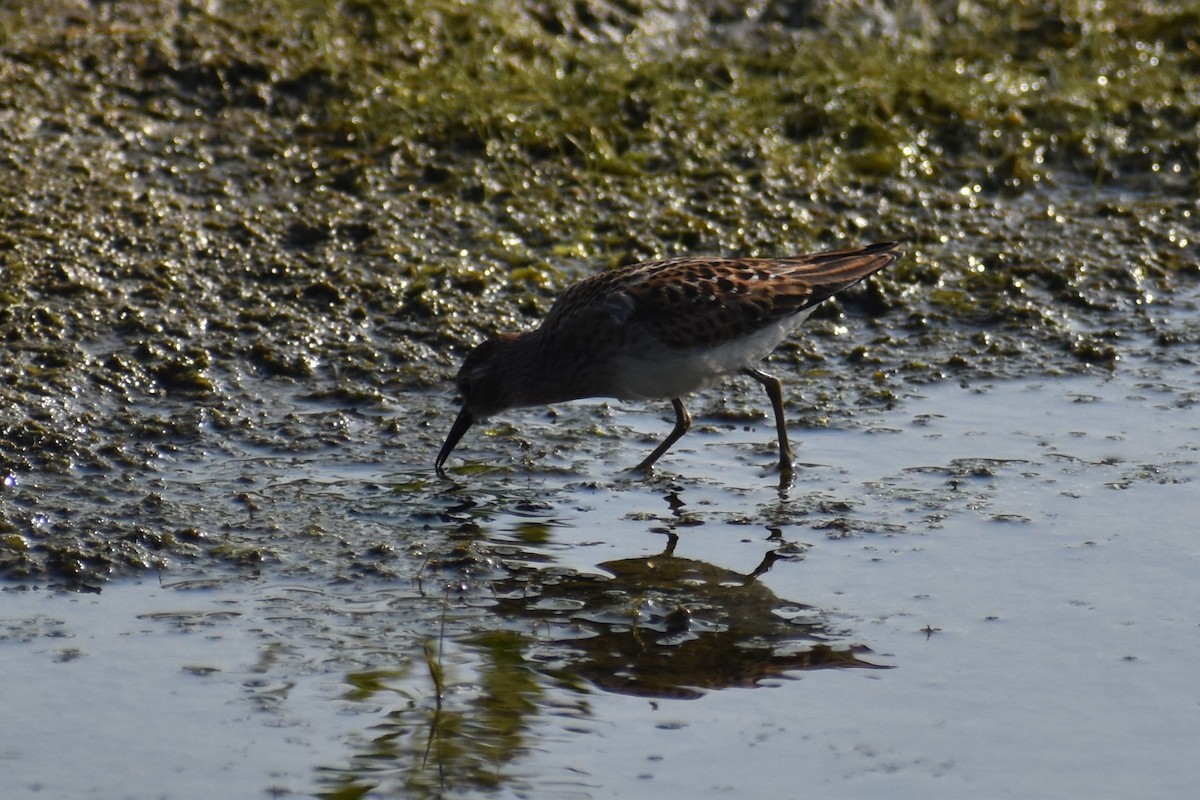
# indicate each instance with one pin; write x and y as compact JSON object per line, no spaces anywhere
{"x":464,"y":421}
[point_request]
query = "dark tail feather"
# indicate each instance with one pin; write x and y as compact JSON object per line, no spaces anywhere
{"x":830,"y":273}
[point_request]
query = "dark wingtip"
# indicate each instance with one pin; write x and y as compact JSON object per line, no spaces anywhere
{"x":893,"y":249}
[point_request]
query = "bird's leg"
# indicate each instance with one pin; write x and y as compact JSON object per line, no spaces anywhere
{"x":775,"y":392}
{"x":683,"y":421}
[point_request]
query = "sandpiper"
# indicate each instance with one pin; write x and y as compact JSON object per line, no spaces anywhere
{"x":659,"y":330}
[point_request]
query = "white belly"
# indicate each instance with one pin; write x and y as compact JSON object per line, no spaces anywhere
{"x":657,"y":374}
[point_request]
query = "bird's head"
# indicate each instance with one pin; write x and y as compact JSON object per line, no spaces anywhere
{"x":486,"y":386}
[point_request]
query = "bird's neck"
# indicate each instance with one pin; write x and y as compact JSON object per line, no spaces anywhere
{"x":542,"y":372}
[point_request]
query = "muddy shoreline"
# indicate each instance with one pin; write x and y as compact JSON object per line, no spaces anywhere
{"x":217,"y":243}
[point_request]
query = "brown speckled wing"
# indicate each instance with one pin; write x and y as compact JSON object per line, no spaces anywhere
{"x":696,"y":302}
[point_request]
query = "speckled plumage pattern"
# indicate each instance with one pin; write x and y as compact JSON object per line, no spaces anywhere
{"x":659,"y":329}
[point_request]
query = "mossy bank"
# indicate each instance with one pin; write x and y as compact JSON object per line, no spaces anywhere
{"x":214,"y":211}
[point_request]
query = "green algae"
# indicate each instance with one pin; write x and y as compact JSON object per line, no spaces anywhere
{"x":1012,"y":88}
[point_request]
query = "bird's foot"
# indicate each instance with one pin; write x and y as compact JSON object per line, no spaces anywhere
{"x":642,"y":470}
{"x":786,"y":470}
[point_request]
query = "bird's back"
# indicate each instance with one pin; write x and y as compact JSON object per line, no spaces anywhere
{"x":702,"y":302}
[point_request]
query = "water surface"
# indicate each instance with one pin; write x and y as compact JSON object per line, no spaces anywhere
{"x":990,"y":588}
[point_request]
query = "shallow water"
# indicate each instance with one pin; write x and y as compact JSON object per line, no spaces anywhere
{"x":989,"y":589}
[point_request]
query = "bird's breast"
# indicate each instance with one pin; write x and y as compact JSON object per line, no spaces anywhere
{"x":647,"y":370}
